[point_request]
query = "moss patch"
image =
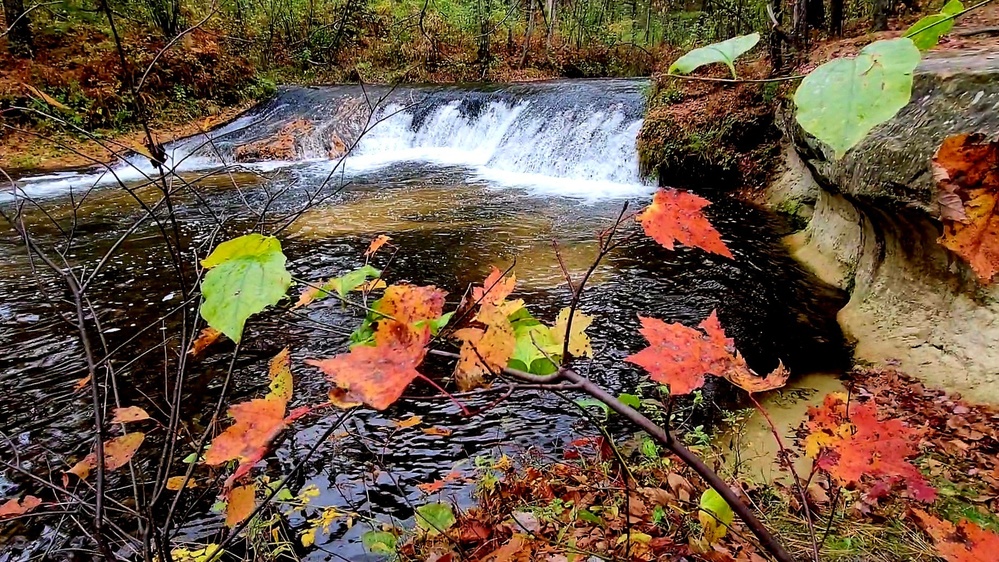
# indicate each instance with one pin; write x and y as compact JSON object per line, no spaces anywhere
{"x":699,"y":134}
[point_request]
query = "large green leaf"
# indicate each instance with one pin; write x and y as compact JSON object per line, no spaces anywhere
{"x":842,"y":100}
{"x":435,"y":518}
{"x":927,"y":31}
{"x":725,"y":52}
{"x":247,"y":274}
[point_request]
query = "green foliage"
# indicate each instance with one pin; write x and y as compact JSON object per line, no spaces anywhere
{"x":435,"y":518}
{"x":724,"y":52}
{"x":842,"y":100}
{"x":246,"y":275}
{"x":715,"y":515}
{"x":379,"y":542}
{"x":926,"y":32}
{"x":535,"y":346}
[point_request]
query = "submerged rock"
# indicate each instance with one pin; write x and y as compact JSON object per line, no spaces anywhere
{"x":872,"y":227}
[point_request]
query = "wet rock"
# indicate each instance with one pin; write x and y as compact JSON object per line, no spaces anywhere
{"x":872,"y":229}
{"x":284,"y":145}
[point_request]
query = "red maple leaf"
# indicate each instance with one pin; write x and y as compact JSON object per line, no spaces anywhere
{"x":851,"y":445}
{"x":966,"y":542}
{"x":675,"y":216}
{"x":680,"y":356}
{"x":373,"y":375}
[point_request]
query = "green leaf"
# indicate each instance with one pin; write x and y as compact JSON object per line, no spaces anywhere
{"x":590,"y":517}
{"x":435,"y":518}
{"x":379,"y":542}
{"x":842,"y":100}
{"x":352,"y":280}
{"x":591,"y":402}
{"x":247,"y":274}
{"x":630,"y":400}
{"x":726,"y":52}
{"x":650,"y":449}
{"x":534,"y":341}
{"x":715,"y":515}
{"x":926,"y":32}
{"x":436,"y":324}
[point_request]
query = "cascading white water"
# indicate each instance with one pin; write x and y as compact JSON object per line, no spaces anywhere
{"x":572,"y":139}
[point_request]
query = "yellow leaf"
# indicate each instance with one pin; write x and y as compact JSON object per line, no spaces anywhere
{"x":46,"y":98}
{"x":579,"y":342}
{"x":210,"y":553}
{"x":175,"y":482}
{"x":408,"y":422}
{"x":281,"y":380}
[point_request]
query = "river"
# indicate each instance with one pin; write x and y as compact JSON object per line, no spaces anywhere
{"x":460,"y":178}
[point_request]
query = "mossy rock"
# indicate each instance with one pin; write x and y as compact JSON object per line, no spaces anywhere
{"x":708,"y":136}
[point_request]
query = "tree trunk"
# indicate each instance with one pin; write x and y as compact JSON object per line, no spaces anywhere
{"x":799,"y":24}
{"x":816,"y":14}
{"x":882,"y":9}
{"x":836,"y":17}
{"x":19,"y":38}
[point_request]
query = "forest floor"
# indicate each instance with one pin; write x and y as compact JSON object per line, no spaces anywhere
{"x":625,"y":501}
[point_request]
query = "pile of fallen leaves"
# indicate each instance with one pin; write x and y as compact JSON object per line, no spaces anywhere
{"x":961,"y":440}
{"x":583,"y":506}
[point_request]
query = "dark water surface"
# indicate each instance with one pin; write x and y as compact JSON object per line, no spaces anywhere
{"x":450,"y":221}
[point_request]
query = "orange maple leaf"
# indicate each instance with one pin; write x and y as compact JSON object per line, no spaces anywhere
{"x":675,"y":216}
{"x":377,"y":243}
{"x":967,"y":171}
{"x":117,"y":453}
{"x":15,"y":507}
{"x":207,"y":337}
{"x":495,"y":288}
{"x":680,"y":357}
{"x":966,"y":542}
{"x":241,"y":503}
{"x":373,"y":375}
{"x":853,"y":444}
{"x":256,"y":422}
{"x":405,"y":307}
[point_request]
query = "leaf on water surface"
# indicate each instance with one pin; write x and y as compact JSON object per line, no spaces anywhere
{"x":723,"y":52}
{"x":966,"y":542}
{"x":579,"y":342}
{"x":208,"y":553}
{"x":246,"y":275}
{"x":174,"y":483}
{"x":676,"y":216}
{"x":746,"y":380}
{"x":484,"y":351}
{"x":852,"y":443}
{"x":207,"y":337}
{"x":117,"y":453}
{"x":411,"y":421}
{"x":373,"y":375}
{"x":680,"y":357}
{"x":966,"y":168}
{"x":926,"y":33}
{"x":435,"y":518}
{"x":242,"y":502}
{"x":437,"y":431}
{"x":842,"y":100}
{"x":15,"y":507}
{"x":495,"y":289}
{"x":256,"y":422}
{"x":377,"y":243}
{"x":129,"y":414}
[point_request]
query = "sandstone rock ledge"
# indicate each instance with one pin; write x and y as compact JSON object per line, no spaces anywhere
{"x":872,"y":225}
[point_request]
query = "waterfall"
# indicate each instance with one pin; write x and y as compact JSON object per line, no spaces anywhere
{"x":568,"y":138}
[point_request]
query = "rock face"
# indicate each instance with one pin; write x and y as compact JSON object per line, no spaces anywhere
{"x":872,"y":229}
